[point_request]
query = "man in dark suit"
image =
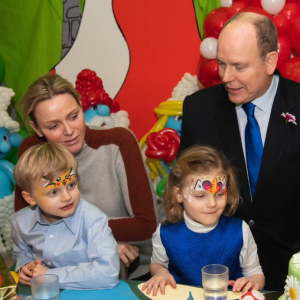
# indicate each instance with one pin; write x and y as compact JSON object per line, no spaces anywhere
{"x":263,"y":147}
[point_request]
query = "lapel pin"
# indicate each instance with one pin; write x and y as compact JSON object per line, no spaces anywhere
{"x":289,"y":118}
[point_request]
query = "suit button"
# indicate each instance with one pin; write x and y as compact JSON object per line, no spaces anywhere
{"x":251,"y":223}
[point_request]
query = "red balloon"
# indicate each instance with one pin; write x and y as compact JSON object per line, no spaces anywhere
{"x":292,"y":1}
{"x":282,"y":23}
{"x":214,"y":22}
{"x":291,"y":69}
{"x":204,"y":75}
{"x":213,"y":69}
{"x":284,"y":49}
{"x":294,"y":34}
{"x":257,"y":10}
{"x":291,"y":10}
{"x":234,"y":1}
{"x":255,"y":3}
{"x":236,"y":7}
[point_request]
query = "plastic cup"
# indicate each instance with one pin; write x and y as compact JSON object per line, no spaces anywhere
{"x":215,"y":282}
{"x":45,"y":287}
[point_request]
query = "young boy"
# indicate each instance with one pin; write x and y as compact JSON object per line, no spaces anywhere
{"x":60,"y":233}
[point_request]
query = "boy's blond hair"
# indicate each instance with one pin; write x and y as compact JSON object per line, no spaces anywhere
{"x":46,"y":160}
{"x":196,"y":160}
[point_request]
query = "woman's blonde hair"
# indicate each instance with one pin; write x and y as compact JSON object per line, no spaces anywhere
{"x":198,"y":160}
{"x":46,"y":161}
{"x":44,"y":88}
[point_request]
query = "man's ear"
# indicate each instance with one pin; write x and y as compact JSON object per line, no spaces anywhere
{"x":177,"y":194}
{"x":28,"y":198}
{"x":35,"y":128}
{"x":271,"y":61}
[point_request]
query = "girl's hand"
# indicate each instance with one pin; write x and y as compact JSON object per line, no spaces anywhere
{"x":243,"y":284}
{"x":161,"y":279}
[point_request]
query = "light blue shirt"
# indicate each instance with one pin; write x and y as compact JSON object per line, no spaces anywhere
{"x":262,"y":112}
{"x":79,"y":249}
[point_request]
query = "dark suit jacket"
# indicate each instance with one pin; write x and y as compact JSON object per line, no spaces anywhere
{"x":209,"y":118}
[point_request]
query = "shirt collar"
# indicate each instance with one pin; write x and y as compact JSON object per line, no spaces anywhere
{"x":265,"y":102}
{"x":71,"y":221}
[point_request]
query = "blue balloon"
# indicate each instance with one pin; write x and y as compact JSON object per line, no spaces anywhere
{"x":16,"y":140}
{"x":174,"y":122}
{"x":103,"y":110}
{"x":90,"y":113}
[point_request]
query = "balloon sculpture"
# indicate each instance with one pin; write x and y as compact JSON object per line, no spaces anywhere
{"x":8,"y":139}
{"x":285,"y":14}
{"x":161,"y":143}
{"x":100,"y":111}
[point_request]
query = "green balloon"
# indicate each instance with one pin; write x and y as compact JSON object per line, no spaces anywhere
{"x":2,"y":70}
{"x":161,"y":186}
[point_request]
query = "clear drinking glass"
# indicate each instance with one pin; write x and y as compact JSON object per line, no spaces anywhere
{"x":215,"y":282}
{"x":44,"y":287}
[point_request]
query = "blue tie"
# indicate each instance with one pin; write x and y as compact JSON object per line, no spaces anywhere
{"x":254,"y":146}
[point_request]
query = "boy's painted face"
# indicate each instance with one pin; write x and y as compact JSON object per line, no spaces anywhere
{"x":204,"y":197}
{"x":57,"y":199}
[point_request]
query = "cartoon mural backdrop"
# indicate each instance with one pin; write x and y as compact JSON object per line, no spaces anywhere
{"x":138,"y":50}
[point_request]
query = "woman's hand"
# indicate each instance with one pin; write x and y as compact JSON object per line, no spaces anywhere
{"x":160,"y":279}
{"x":128,"y":253}
{"x":26,"y":271}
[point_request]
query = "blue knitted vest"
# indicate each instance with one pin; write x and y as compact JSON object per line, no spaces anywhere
{"x":189,"y":251}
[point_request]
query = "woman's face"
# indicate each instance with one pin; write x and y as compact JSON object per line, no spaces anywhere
{"x":61,"y":120}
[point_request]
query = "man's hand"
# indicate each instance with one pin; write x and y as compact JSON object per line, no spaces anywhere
{"x":128,"y":253}
{"x":243,"y":284}
{"x":26,"y":271}
{"x":160,"y":280}
{"x":39,"y":270}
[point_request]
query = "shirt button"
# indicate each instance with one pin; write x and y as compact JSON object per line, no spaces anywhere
{"x":51,"y":236}
{"x":251,"y":223}
{"x":49,"y":263}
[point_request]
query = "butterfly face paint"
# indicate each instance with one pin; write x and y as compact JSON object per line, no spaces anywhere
{"x":213,"y":186}
{"x":61,"y":180}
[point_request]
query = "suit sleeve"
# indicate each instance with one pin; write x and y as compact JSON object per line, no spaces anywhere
{"x":184,"y":139}
{"x":26,"y":144}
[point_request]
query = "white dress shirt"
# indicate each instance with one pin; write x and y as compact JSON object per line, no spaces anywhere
{"x":262,"y":112}
{"x":249,"y":261}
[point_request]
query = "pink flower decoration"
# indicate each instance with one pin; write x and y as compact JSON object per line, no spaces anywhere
{"x":288,"y":118}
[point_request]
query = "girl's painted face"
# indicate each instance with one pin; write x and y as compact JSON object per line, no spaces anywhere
{"x":58,"y":198}
{"x":61,"y":121}
{"x":204,"y":197}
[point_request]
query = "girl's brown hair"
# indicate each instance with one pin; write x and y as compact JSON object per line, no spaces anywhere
{"x":198,"y":160}
{"x":44,"y":88}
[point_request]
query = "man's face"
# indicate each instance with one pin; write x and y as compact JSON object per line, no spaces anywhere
{"x":243,"y":74}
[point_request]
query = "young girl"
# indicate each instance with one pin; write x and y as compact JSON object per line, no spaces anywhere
{"x":200,"y":196}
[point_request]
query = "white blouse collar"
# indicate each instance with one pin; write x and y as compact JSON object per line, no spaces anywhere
{"x":195,"y":226}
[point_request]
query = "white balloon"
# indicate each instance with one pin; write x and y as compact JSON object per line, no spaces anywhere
{"x":273,"y":7}
{"x":208,"y":48}
{"x":226,"y":3}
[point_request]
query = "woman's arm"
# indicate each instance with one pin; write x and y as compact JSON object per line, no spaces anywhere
{"x":139,"y":197}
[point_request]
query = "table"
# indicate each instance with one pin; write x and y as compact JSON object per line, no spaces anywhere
{"x":133,"y":285}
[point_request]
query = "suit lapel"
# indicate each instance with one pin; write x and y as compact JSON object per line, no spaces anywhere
{"x":226,"y":120}
{"x":278,"y":134}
